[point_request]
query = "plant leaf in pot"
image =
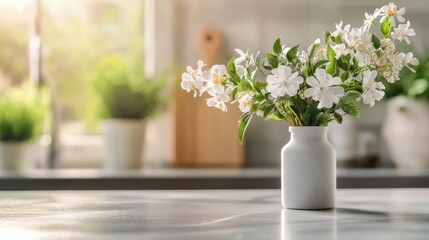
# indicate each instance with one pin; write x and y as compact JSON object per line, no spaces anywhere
{"x":21,"y":118}
{"x":125,"y":99}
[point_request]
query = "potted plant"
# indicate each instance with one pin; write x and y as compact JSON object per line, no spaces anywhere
{"x":126,"y":99}
{"x":309,"y":89}
{"x":405,"y":128}
{"x":21,"y":117}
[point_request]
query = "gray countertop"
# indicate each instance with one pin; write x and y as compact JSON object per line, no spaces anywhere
{"x":211,"y":214}
{"x":84,"y":179}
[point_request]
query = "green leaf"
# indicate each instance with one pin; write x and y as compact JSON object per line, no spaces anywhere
{"x":291,"y":54}
{"x":258,"y":97}
{"x":242,"y":125}
{"x":350,"y":96}
{"x":270,"y":63}
{"x":270,"y":55}
{"x":244,"y":86}
{"x":277,"y":46}
{"x":312,"y":50}
{"x":268,"y":110}
{"x":322,"y":119}
{"x":375,"y":41}
{"x":332,"y":68}
{"x":351,"y":108}
{"x":418,"y":87}
{"x":385,"y":27}
{"x":331,"y":53}
{"x":254,"y":107}
{"x":234,"y":93}
{"x":231,"y":67}
{"x":319,"y":63}
{"x":345,"y":76}
{"x":327,"y":35}
{"x":338,"y":118}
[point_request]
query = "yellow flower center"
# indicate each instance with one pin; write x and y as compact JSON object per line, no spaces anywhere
{"x":217,"y":79}
{"x":391,"y":11}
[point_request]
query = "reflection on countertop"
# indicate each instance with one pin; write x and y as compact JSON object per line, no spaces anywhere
{"x":211,"y":214}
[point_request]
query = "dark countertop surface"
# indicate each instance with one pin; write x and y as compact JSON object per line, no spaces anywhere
{"x":84,"y":179}
{"x":211,"y":214}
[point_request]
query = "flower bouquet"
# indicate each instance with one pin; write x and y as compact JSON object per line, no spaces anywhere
{"x":313,"y":87}
{"x":309,"y":89}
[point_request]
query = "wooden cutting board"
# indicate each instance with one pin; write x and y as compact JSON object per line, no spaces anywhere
{"x":203,"y":136}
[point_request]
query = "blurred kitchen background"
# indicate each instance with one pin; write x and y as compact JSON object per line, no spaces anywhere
{"x":62,"y":45}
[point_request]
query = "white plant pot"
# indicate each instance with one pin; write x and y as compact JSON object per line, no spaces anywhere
{"x":308,"y":170}
{"x":17,"y":156}
{"x":406,"y":132}
{"x":345,"y":138}
{"x":124,"y":141}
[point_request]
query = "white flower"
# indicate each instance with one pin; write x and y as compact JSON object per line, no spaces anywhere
{"x":339,"y":30}
{"x":283,"y":81}
{"x":398,"y":60}
{"x":372,"y":90}
{"x":358,"y":40}
{"x":192,"y":79}
{"x":369,"y":19}
{"x":324,"y":88}
{"x":340,"y":50}
{"x":410,"y":59}
{"x":392,"y":11}
{"x":245,"y":101}
{"x":320,"y":54}
{"x":214,"y":78}
{"x":403,"y":32}
{"x":219,"y":100}
{"x":303,"y":56}
{"x":245,"y":57}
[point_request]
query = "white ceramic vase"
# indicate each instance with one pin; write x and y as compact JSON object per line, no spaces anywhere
{"x":406,"y":133}
{"x":17,"y":156}
{"x":123,"y":144}
{"x":308,"y":170}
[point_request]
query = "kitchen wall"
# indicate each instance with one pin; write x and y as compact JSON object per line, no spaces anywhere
{"x":254,"y":24}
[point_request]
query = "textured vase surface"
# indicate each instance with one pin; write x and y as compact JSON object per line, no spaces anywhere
{"x":308,"y":170}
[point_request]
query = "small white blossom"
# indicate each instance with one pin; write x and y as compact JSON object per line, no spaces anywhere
{"x":245,"y":101}
{"x":340,"y":50}
{"x":410,"y":59}
{"x":372,"y":90}
{"x":283,"y":81}
{"x":339,"y":30}
{"x":392,"y":12}
{"x":192,"y":79}
{"x":320,"y":54}
{"x":403,"y":32}
{"x":245,"y":57}
{"x":219,"y":100}
{"x":369,"y":19}
{"x":324,"y":88}
{"x":214,"y":78}
{"x":358,"y":40}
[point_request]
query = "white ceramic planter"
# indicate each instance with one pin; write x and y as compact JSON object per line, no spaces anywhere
{"x":345,"y":138}
{"x":308,"y":170}
{"x":17,"y":156}
{"x":406,"y":132}
{"x":124,"y":141}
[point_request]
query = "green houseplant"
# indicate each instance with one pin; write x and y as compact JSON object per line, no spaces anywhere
{"x":125,"y":100}
{"x":405,"y":127}
{"x":21,"y":118}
